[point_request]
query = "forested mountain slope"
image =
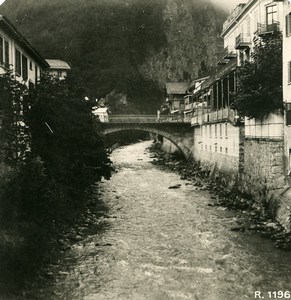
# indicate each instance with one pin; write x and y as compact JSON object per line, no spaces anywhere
{"x":131,"y":46}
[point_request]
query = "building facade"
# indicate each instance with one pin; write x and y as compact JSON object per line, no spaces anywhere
{"x":18,"y":56}
{"x":58,"y":68}
{"x":250,"y":151}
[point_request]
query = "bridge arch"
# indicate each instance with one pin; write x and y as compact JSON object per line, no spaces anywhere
{"x":176,"y":140}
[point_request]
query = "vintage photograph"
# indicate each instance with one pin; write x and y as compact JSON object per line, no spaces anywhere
{"x":145,"y":149}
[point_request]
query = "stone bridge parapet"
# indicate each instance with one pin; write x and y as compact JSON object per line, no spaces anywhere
{"x":172,"y":128}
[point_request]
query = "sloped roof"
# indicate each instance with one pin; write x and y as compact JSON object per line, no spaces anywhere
{"x":176,"y":88}
{"x":58,"y":64}
{"x":10,"y":29}
{"x":101,"y":110}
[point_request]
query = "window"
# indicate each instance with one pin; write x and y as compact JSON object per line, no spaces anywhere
{"x":271,"y":14}
{"x":215,"y":130}
{"x":289,"y":72}
{"x":4,"y":52}
{"x":209,"y":130}
{"x":30,"y":65}
{"x":215,"y":148}
{"x":226,"y":150}
{"x":31,"y":85}
{"x":36,"y":74}
{"x":288,"y":24}
{"x":1,"y":50}
{"x":7,"y":54}
{"x":24,"y":68}
{"x":220,"y":149}
{"x":210,"y":148}
{"x":220,"y":130}
{"x":17,"y":62}
{"x":226,"y":130}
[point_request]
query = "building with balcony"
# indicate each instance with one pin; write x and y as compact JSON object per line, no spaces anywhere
{"x":17,"y":55}
{"x":219,"y":132}
{"x":287,"y":81}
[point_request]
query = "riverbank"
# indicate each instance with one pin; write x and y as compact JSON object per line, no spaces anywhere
{"x":161,"y":240}
{"x":253,"y":220}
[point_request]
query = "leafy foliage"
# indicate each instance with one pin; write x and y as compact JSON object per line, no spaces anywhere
{"x":259,"y":86}
{"x":15,"y":135}
{"x":50,"y":142}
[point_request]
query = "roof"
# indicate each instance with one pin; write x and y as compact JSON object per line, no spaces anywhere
{"x":236,"y":15}
{"x":176,"y":87}
{"x":11,"y":30}
{"x":58,"y":64}
{"x":101,"y":110}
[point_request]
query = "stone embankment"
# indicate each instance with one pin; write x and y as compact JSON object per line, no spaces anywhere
{"x":222,"y":198}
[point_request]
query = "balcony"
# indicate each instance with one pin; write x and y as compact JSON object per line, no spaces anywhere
{"x":267,"y":28}
{"x":229,"y":53}
{"x":242,"y":42}
{"x":231,"y":18}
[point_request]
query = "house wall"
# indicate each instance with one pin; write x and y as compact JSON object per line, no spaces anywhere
{"x":32,"y":66}
{"x":271,"y":127}
{"x":287,"y":85}
{"x":253,"y":13}
{"x":58,"y":73}
{"x":216,"y":147}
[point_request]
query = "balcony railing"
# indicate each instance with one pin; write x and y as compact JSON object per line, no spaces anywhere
{"x":242,"y":41}
{"x":229,"y":53}
{"x":233,"y":16}
{"x":268,"y":28}
{"x":223,"y":114}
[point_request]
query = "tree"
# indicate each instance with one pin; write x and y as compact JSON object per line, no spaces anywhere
{"x":259,"y":81}
{"x":65,"y":134}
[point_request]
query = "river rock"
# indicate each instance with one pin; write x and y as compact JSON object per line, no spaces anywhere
{"x":176,"y":186}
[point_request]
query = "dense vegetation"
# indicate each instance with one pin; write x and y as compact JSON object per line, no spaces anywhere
{"x":259,"y":92}
{"x":51,"y":157}
{"x":130,"y":47}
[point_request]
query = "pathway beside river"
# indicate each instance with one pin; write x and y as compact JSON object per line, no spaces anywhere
{"x":163,"y":243}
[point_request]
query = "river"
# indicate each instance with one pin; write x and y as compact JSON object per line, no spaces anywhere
{"x":159,"y":243}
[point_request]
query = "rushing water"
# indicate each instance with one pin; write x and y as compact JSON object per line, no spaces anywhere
{"x":162,"y":243}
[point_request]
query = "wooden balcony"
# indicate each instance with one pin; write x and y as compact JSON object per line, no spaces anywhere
{"x":242,"y":42}
{"x":229,"y":53}
{"x":267,"y":28}
{"x":221,"y":115}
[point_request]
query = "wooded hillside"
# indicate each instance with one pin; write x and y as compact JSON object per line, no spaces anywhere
{"x":131,"y":46}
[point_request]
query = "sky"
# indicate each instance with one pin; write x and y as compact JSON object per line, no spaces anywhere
{"x":228,"y":4}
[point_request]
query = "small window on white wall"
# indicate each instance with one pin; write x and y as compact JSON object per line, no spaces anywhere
{"x":289,"y":72}
{"x":288,"y":25}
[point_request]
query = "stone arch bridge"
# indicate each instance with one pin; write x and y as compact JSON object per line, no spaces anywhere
{"x":173,"y":128}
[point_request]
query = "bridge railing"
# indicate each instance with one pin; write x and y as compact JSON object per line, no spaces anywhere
{"x":147,"y":119}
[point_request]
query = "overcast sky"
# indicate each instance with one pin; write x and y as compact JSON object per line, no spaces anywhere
{"x":228,"y":4}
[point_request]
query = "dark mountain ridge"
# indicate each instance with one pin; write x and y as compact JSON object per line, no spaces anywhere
{"x":131,"y":46}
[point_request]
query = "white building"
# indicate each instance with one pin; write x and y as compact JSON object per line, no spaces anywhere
{"x":102,"y":113}
{"x":287,"y":80}
{"x":58,"y":68}
{"x":18,"y":55}
{"x":216,"y":134}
